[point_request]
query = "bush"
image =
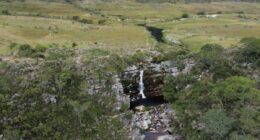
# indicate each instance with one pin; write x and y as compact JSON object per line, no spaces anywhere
{"x":6,"y":12}
{"x":250,"y":53}
{"x":86,"y":21}
{"x":175,"y":85}
{"x":102,"y":21}
{"x":216,"y":123}
{"x":139,"y":56}
{"x":40,"y":48}
{"x":26,"y":50}
{"x":219,"y":12}
{"x":158,"y":58}
{"x":235,"y":91}
{"x":169,"y":89}
{"x":76,"y":18}
{"x":209,"y":55}
{"x":212,"y":47}
{"x":185,"y":15}
{"x":201,"y":13}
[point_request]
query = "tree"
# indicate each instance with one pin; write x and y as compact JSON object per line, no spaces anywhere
{"x":240,"y":97}
{"x":209,"y":55}
{"x":250,"y":52}
{"x":237,"y":90}
{"x":216,"y":123}
{"x":51,"y":104}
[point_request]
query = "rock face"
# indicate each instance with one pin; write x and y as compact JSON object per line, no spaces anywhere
{"x":152,"y":115}
{"x":153,"y":83}
{"x":154,"y":123}
{"x":153,"y":75}
{"x":121,"y":98}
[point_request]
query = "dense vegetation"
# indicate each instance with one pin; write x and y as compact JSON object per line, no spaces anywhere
{"x":46,"y":98}
{"x":219,"y":98}
{"x":56,"y":81}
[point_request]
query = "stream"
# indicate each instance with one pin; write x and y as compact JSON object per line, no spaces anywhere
{"x":156,"y":33}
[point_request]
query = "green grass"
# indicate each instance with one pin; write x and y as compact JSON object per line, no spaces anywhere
{"x":33,"y":30}
{"x":54,"y":25}
{"x":167,"y":11}
{"x":225,"y":30}
{"x":42,"y":8}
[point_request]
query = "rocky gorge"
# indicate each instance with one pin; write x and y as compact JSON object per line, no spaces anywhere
{"x":142,"y":87}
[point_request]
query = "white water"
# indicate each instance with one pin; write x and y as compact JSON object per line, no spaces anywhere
{"x":141,"y":84}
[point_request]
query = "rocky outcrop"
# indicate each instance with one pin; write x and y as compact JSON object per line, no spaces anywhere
{"x":153,"y":79}
{"x":121,"y":98}
{"x":148,"y":118}
{"x":153,"y":83}
{"x":152,"y":115}
{"x":152,"y":123}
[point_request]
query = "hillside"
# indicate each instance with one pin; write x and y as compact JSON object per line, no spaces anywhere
{"x":129,"y":69}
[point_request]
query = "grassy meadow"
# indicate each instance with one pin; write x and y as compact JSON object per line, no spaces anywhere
{"x":226,"y":30}
{"x":36,"y":22}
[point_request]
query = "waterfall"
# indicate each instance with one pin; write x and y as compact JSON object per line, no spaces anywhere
{"x":141,"y":84}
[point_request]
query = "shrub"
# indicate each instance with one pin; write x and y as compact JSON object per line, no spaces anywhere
{"x":158,"y":58}
{"x":76,"y":18}
{"x":217,"y":123}
{"x":219,"y":12}
{"x":102,"y":21}
{"x":250,"y":53}
{"x":201,"y":13}
{"x":169,"y":89}
{"x":209,"y":55}
{"x":74,"y":44}
{"x":212,"y":47}
{"x":6,"y":12}
{"x":86,"y":21}
{"x":40,"y":48}
{"x":185,"y":15}
{"x":241,"y":12}
{"x":26,"y":50}
{"x":139,"y":56}
{"x":235,"y":91}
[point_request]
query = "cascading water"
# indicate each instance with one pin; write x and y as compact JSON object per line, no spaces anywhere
{"x":141,"y":85}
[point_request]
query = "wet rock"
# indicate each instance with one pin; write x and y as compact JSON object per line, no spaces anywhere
{"x":153,"y":78}
{"x":152,"y":116}
{"x":130,"y":81}
{"x":153,"y":84}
